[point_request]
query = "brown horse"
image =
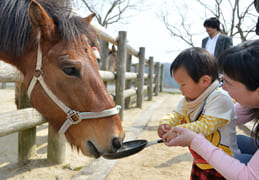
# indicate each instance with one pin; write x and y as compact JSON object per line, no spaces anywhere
{"x":112,"y":59}
{"x":53,"y":50}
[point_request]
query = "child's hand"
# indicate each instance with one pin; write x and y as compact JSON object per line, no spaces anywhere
{"x":162,"y":129}
{"x":178,"y":136}
{"x":167,"y":137}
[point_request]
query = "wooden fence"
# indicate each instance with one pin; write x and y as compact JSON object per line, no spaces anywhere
{"x":25,"y":119}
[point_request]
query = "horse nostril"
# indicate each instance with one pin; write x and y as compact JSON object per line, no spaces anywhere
{"x":116,"y":144}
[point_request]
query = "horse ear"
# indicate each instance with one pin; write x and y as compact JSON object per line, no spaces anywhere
{"x":89,"y":18}
{"x":113,"y":50}
{"x":40,"y":21}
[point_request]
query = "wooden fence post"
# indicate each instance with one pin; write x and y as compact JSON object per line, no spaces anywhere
{"x":121,"y":69}
{"x":150,"y":78}
{"x":56,"y":147}
{"x":140,"y":78}
{"x":26,"y":138}
{"x":136,"y":71}
{"x":128,"y":82}
{"x":162,"y":78}
{"x":157,"y":78}
{"x":104,"y":53}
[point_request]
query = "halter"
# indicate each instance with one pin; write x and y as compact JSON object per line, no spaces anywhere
{"x":73,"y":117}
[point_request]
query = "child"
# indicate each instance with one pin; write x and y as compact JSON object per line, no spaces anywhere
{"x":206,"y":108}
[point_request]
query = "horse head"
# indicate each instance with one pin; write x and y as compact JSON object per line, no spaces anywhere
{"x":112,"y":59}
{"x":61,"y":75}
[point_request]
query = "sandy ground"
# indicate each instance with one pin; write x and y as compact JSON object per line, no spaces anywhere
{"x":155,"y":162}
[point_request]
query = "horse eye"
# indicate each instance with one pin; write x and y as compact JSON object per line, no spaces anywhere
{"x":71,"y":71}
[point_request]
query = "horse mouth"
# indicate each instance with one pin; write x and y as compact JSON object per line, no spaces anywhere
{"x":93,"y":150}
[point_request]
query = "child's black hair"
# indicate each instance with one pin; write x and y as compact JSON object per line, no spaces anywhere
{"x":197,"y":62}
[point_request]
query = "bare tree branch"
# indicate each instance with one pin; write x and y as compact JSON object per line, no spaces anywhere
{"x":177,"y":32}
{"x":232,"y":24}
{"x":111,"y":11}
{"x":114,"y":4}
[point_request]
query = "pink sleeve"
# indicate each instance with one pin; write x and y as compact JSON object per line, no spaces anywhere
{"x":242,"y":114}
{"x":226,"y":165}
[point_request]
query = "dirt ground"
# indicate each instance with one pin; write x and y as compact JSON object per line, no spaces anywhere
{"x":155,"y":162}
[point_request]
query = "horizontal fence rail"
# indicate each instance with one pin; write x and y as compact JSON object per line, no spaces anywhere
{"x":19,"y":120}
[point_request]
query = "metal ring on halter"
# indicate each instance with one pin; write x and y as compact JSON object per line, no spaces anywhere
{"x":38,"y":73}
{"x":74,"y":116}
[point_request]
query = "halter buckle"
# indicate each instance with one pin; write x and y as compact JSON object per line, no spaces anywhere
{"x":74,"y":116}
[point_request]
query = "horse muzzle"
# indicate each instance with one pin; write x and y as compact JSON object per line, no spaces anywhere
{"x":115,"y":144}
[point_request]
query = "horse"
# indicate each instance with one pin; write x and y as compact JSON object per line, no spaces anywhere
{"x":109,"y":63}
{"x":112,"y":59}
{"x":53,"y":49}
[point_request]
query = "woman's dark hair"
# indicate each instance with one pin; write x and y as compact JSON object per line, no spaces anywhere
{"x":241,"y":63}
{"x":212,"y":22}
{"x":255,"y":132}
{"x":197,"y":62}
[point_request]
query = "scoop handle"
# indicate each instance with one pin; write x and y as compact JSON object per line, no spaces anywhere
{"x":160,"y":141}
{"x":154,"y":142}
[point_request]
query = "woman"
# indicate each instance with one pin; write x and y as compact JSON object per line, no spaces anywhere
{"x":247,"y":145}
{"x":240,"y":66}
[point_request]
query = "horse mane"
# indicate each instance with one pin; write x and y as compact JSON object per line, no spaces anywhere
{"x":15,"y":31}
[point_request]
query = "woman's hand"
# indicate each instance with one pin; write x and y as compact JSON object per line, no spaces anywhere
{"x":162,"y":129}
{"x":179,"y":137}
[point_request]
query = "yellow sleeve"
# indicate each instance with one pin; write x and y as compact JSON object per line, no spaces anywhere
{"x":205,"y":125}
{"x":172,"y":119}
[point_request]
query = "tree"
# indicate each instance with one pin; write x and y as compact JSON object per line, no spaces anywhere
{"x":109,"y":12}
{"x":238,"y":18}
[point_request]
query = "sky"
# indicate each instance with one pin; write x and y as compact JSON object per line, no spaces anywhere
{"x":146,"y":29}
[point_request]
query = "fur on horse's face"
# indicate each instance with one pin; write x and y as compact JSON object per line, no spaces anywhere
{"x":71,"y":73}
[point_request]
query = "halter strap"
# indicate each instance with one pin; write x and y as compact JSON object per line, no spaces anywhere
{"x":73,"y":117}
{"x":86,"y":115}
